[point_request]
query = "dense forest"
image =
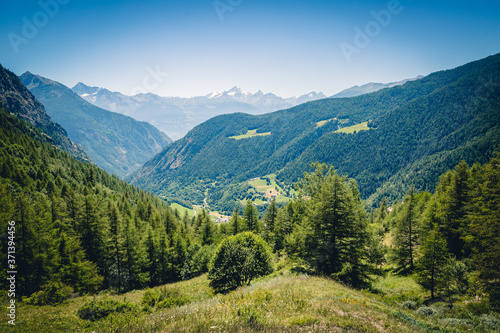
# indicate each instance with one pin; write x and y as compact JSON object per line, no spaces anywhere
{"x":81,"y":227}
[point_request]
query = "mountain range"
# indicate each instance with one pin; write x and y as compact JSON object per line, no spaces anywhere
{"x":16,"y":99}
{"x":387,"y":140}
{"x":176,"y":115}
{"x":117,"y":143}
{"x":370,"y":87}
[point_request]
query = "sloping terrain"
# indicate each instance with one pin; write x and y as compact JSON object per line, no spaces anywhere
{"x":117,"y":143}
{"x":16,"y":99}
{"x":177,"y":115}
{"x":288,"y":303}
{"x":423,"y":127}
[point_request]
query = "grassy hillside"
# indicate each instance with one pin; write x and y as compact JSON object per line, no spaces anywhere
{"x":117,"y":143}
{"x":443,"y":118}
{"x":284,"y":302}
{"x":354,"y":128}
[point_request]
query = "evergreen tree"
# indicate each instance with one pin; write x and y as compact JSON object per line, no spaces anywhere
{"x":152,"y":255}
{"x":269,"y":220}
{"x":484,"y":235}
{"x":337,"y":246}
{"x":235,"y":223}
{"x":406,"y":236}
{"x":455,"y":207}
{"x":115,"y":242}
{"x":382,"y":211}
{"x":251,"y":215}
{"x":433,"y":253}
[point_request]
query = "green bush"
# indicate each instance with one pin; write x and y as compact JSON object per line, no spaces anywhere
{"x":488,"y":321}
{"x":164,"y":298}
{"x":96,"y":310}
{"x":238,"y":260}
{"x":426,"y":311}
{"x":52,"y":293}
{"x":410,"y":305}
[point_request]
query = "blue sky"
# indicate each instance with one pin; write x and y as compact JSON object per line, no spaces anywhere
{"x":285,"y":47}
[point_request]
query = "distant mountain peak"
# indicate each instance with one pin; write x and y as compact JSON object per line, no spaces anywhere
{"x":83,"y":89}
{"x":371,"y":87}
{"x":188,"y":112}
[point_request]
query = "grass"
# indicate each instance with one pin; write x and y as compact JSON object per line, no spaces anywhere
{"x":182,"y":210}
{"x":323,"y":122}
{"x":354,"y":128}
{"x":283,"y":302}
{"x":396,"y":288}
{"x":249,"y":134}
{"x":260,"y":185}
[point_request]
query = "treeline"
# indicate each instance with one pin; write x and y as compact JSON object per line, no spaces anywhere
{"x":79,"y":227}
{"x":449,"y":240}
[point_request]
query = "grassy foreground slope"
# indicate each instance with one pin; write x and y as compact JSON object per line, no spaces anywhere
{"x":282,"y":303}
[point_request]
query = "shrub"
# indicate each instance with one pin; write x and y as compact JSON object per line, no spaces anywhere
{"x":238,"y":260}
{"x":410,"y":305}
{"x":96,"y":310}
{"x":164,"y":298}
{"x":426,"y":311}
{"x":52,"y":293}
{"x":488,"y":321}
{"x":454,"y":322}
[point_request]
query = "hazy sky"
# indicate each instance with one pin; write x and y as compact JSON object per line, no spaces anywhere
{"x":285,"y":47}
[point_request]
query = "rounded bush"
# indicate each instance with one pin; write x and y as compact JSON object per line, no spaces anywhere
{"x":52,"y":293}
{"x":426,"y":311}
{"x":238,"y":260}
{"x":410,"y":305}
{"x":96,"y":310}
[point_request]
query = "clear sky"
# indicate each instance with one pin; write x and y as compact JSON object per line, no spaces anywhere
{"x":285,"y":47}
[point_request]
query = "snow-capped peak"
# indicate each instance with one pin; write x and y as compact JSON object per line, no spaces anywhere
{"x":237,"y":91}
{"x":214,"y":94}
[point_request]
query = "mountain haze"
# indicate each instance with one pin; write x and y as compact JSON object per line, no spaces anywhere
{"x":414,"y":132}
{"x":370,"y":87}
{"x":176,"y":116}
{"x":117,"y":143}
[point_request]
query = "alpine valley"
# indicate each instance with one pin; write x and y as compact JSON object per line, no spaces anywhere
{"x":176,"y":116}
{"x":387,"y":141}
{"x":117,"y":143}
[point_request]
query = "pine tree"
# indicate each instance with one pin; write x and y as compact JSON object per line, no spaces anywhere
{"x":269,"y":220}
{"x":484,"y":236}
{"x":433,"y":253}
{"x":235,"y":223}
{"x":251,"y":215}
{"x":382,"y":211}
{"x":406,"y":236}
{"x":455,"y":206}
{"x":337,"y":246}
{"x":164,"y":258}
{"x":152,"y":255}
{"x":115,"y":242}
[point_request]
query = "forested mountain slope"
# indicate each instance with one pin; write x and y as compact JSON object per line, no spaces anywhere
{"x":16,"y":99}
{"x":76,"y":227}
{"x":117,"y":143}
{"x":417,"y":130}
